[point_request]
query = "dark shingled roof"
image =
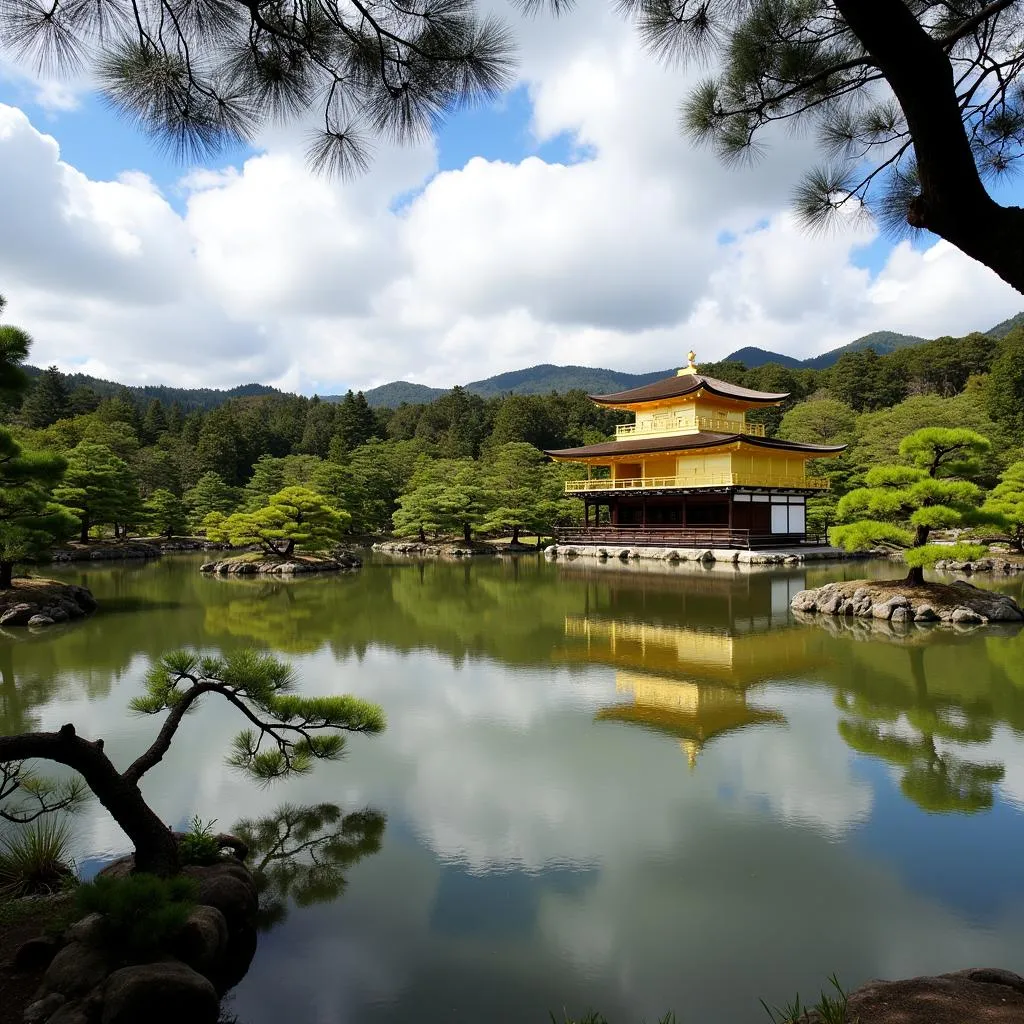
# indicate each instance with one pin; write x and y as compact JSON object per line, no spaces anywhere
{"x":683,"y":384}
{"x":704,"y":439}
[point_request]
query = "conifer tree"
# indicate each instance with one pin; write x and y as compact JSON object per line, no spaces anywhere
{"x":900,"y":505}
{"x":1006,"y":502}
{"x":444,"y":497}
{"x":48,"y":401}
{"x":295,"y":517}
{"x":98,"y":487}
{"x":210,"y":494}
{"x":165,"y":512}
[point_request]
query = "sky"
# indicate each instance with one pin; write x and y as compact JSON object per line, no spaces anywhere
{"x":569,"y":222}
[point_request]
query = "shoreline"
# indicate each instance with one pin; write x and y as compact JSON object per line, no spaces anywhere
{"x":726,"y":556}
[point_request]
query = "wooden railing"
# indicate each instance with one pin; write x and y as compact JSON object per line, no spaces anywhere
{"x":667,"y":483}
{"x":682,"y":424}
{"x":678,"y":537}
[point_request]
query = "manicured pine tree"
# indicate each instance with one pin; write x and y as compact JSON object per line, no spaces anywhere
{"x":513,"y":476}
{"x":1006,"y":501}
{"x":447,"y":496}
{"x":900,"y":505}
{"x":295,"y":517}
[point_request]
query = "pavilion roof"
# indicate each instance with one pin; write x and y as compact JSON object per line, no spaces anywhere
{"x":684,"y":384}
{"x":681,"y":442}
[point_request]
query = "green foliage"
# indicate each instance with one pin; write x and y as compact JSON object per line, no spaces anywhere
{"x":141,"y":913}
{"x":99,"y":487}
{"x":295,"y":517}
{"x":1006,"y":503}
{"x":446,"y":496}
{"x":199,"y":844}
{"x":829,"y":1009}
{"x":166,"y":513}
{"x":48,"y":401}
{"x":819,"y":421}
{"x":210,"y":494}
{"x":899,"y":506}
{"x":1004,"y":393}
{"x":295,"y":731}
{"x":35,"y":859}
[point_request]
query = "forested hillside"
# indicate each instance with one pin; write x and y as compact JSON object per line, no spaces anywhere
{"x":415,"y":464}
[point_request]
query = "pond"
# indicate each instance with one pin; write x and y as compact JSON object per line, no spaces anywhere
{"x":630,"y":791}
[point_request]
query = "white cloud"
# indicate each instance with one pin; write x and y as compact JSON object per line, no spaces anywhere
{"x":270,"y":273}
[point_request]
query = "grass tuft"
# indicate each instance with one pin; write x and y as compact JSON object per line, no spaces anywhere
{"x":35,"y":859}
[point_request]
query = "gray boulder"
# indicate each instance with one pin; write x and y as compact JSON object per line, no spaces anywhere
{"x":203,"y":939}
{"x":43,"y":1009}
{"x":18,"y":615}
{"x":75,"y":970}
{"x":169,"y":992}
{"x":966,"y":616}
{"x":40,"y":620}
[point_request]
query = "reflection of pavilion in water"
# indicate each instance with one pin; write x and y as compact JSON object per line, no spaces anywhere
{"x":691,"y":682}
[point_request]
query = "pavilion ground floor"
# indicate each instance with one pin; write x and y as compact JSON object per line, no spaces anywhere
{"x":731,"y":518}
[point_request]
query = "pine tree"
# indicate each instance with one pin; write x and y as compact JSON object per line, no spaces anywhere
{"x":444,"y":497}
{"x":98,"y":487}
{"x":30,"y":521}
{"x":354,"y":420}
{"x":1007,"y":503}
{"x":166,"y":513}
{"x":900,"y":506}
{"x":295,"y":517}
{"x":210,"y":494}
{"x":320,"y":425}
{"x":175,"y":419}
{"x":514,"y":479}
{"x":83,"y":400}
{"x":14,"y":346}
{"x":1004,"y":390}
{"x":48,"y":401}
{"x":154,"y":423}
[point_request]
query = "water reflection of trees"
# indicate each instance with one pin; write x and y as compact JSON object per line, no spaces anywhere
{"x":900,"y":724}
{"x":301,"y":853}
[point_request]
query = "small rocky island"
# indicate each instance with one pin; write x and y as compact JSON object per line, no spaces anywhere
{"x":259,"y":563}
{"x":903,"y":601}
{"x":34,"y":601}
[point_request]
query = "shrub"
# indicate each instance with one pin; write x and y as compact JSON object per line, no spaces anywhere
{"x":143,"y":912}
{"x":199,"y":844}
{"x":36,"y":859}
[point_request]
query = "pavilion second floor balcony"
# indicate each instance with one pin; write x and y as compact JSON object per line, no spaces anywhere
{"x":693,"y":481}
{"x":668,"y":424}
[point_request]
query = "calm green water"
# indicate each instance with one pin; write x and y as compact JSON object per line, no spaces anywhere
{"x":630,"y":791}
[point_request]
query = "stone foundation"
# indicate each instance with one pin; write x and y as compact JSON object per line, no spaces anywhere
{"x":416,"y":549}
{"x":734,"y":556}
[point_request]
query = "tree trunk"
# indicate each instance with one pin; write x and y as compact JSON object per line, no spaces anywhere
{"x":515,"y":534}
{"x":84,"y":535}
{"x":423,"y":536}
{"x":6,"y":575}
{"x":467,"y":533}
{"x":289,"y":548}
{"x":953,"y":202}
{"x":155,"y":849}
{"x":915,"y":577}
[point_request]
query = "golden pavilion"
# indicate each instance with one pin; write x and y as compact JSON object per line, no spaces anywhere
{"x":692,"y":471}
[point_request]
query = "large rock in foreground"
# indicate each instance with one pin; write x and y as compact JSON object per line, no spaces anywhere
{"x":246,"y":565}
{"x":42,"y":602}
{"x":897,"y":601}
{"x":977,"y":996}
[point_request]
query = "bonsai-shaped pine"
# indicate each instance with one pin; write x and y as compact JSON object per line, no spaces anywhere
{"x":165,"y":512}
{"x":295,"y":517}
{"x":30,"y":522}
{"x":900,"y":505}
{"x":1006,"y":502}
{"x":287,"y":733}
{"x":302,"y":853}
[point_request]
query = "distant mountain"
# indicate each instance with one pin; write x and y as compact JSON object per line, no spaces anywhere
{"x":883,"y":342}
{"x":535,"y":380}
{"x":752,"y":358}
{"x":1003,"y":329}
{"x":390,"y":396}
{"x":187,"y":398}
